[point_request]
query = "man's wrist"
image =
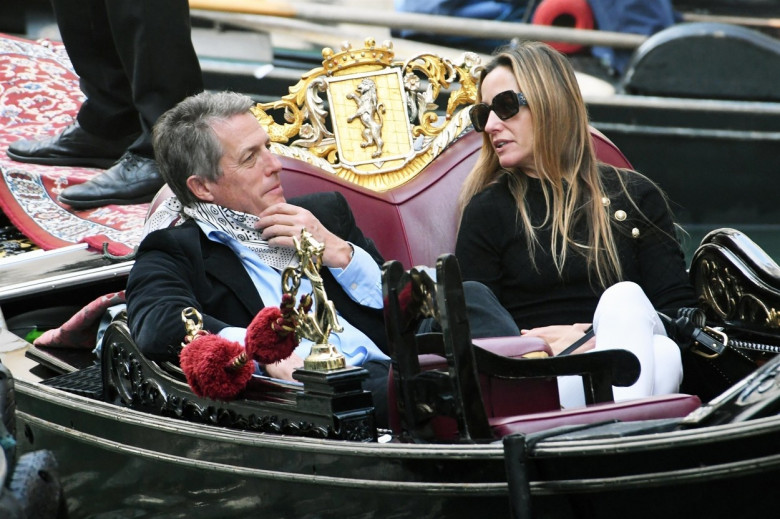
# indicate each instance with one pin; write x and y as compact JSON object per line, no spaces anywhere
{"x":348,"y":254}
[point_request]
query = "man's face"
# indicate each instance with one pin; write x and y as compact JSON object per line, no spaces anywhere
{"x":250,"y":172}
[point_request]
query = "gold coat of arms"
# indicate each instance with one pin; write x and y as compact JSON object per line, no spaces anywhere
{"x":369,"y":119}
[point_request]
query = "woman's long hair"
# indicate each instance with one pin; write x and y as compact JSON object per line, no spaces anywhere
{"x":564,"y":159}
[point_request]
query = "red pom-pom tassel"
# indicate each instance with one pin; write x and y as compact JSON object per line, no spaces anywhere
{"x":270,"y":336}
{"x":216,"y":367}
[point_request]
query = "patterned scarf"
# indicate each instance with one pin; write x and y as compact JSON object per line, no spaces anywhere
{"x":235,"y":224}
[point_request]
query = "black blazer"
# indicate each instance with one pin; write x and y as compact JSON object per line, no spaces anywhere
{"x":180,"y":267}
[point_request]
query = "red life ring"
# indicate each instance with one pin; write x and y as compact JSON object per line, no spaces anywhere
{"x":564,"y":13}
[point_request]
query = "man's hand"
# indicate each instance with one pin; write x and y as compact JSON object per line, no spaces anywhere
{"x":284,"y":368}
{"x":281,"y":222}
{"x":561,"y":336}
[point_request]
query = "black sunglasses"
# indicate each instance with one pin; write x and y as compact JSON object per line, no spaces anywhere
{"x":506,"y":105}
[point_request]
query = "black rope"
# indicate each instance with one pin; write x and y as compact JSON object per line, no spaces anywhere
{"x":115,"y":257}
{"x":753,"y":346}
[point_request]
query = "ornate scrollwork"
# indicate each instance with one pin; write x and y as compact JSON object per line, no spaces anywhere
{"x":440,"y":74}
{"x":720,"y":289}
{"x":725,"y":294}
{"x":136,"y":383}
{"x":380,"y":127}
{"x":357,"y":428}
{"x":765,"y":385}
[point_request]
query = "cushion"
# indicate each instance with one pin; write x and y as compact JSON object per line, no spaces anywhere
{"x":649,"y":408}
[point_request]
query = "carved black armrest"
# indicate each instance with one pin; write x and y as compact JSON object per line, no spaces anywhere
{"x":600,"y":370}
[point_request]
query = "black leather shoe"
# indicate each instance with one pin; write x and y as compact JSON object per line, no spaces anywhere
{"x":73,"y":147}
{"x":132,"y":180}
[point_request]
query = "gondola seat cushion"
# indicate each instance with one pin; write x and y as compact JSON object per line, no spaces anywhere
{"x":649,"y":408}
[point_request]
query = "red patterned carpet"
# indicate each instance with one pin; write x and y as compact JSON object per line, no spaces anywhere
{"x":39,"y":96}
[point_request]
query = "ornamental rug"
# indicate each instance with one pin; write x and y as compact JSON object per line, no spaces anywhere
{"x":39,"y":97}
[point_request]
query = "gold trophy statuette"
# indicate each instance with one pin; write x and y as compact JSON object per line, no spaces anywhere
{"x":317,"y":325}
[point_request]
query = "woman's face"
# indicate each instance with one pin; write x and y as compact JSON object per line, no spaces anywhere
{"x":512,"y":139}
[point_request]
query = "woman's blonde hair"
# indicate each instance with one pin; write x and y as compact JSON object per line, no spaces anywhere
{"x":564,"y":159}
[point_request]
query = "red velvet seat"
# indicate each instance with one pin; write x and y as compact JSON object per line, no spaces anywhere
{"x":650,"y":408}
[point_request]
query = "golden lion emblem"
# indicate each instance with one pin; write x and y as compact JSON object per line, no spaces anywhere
{"x":370,"y":113}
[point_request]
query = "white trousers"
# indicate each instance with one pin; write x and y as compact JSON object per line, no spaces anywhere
{"x":626,"y":319}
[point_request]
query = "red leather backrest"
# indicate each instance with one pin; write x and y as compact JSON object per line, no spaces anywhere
{"x":415,"y":222}
{"x":606,"y":151}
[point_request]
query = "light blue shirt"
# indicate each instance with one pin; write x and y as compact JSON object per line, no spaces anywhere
{"x":361,"y":280}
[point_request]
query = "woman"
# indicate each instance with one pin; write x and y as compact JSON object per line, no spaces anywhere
{"x":561,"y":239}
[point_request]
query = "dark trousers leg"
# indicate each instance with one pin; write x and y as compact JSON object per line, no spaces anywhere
{"x":135,"y":60}
{"x":154,"y":43}
{"x":377,"y":383}
{"x":108,"y":110}
{"x":487,"y":318}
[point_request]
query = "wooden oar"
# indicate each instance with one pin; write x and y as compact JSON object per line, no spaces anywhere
{"x":422,"y":22}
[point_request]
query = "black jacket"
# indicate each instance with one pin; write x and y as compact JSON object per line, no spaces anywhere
{"x":180,"y":267}
{"x":492,"y":249}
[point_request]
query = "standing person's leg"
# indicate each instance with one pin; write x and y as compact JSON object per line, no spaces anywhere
{"x":154,"y":42}
{"x":154,"y":45}
{"x":85,"y":29}
{"x":107,"y":122}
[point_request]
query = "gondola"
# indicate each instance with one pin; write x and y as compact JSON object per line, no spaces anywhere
{"x":131,"y":438}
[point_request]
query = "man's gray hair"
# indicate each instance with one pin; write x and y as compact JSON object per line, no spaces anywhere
{"x":185,"y":143}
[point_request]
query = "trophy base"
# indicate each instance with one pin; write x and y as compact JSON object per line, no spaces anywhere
{"x":324,"y":357}
{"x":339,"y":394}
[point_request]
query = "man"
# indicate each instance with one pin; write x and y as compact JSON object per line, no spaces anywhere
{"x":135,"y":60}
{"x":226,"y":258}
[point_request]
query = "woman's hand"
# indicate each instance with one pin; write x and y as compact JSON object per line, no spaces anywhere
{"x":284,"y":368}
{"x":561,"y":336}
